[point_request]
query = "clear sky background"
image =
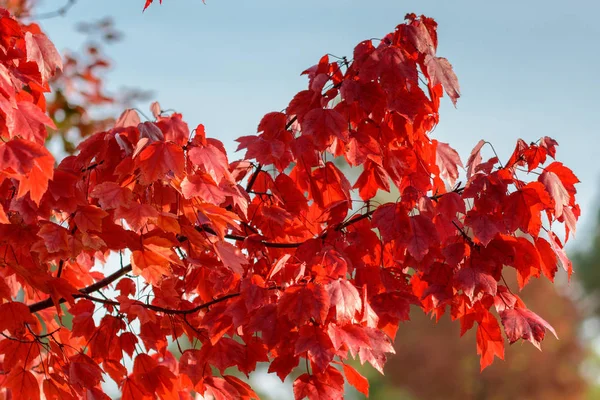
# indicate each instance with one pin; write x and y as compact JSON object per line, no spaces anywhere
{"x":526,"y":68}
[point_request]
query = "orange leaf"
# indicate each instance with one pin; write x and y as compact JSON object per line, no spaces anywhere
{"x":159,"y":158}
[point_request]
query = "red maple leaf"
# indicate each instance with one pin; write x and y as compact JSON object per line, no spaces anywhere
{"x":22,"y":385}
{"x":301,"y":303}
{"x":357,"y":380}
{"x":521,"y":323}
{"x":490,"y":342}
{"x":323,"y":125}
{"x":42,"y":52}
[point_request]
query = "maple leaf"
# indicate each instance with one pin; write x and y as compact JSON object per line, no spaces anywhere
{"x":395,"y":304}
{"x":485,"y":226}
{"x":42,"y":52}
{"x":54,"y":390}
{"x":203,"y":187}
{"x":283,"y":365}
{"x":229,"y":387}
{"x":326,"y":385}
{"x":353,"y":337}
{"x":154,"y":378}
{"x":56,"y":238}
{"x":523,"y":207}
{"x":15,"y":316}
{"x":373,"y":178}
{"x":29,"y":122}
{"x":151,"y":133}
{"x":136,"y":215}
{"x":316,"y":343}
{"x":345,"y":298}
{"x":548,"y":259}
{"x":36,"y":182}
{"x":155,"y":259}
{"x":20,"y":155}
{"x":390,"y":64}
{"x":557,"y":247}
{"x":243,"y":390}
{"x":324,"y":125}
{"x":489,"y":339}
{"x":293,"y":199}
{"x":132,"y":390}
{"x":127,"y":119}
{"x":83,"y":321}
{"x":212,"y":160}
{"x":89,"y":218}
{"x":112,"y":195}
{"x":22,"y":385}
{"x":191,"y":364}
{"x":115,"y":370}
{"x":448,"y":160}
{"x":528,"y":261}
{"x":60,"y":288}
{"x":392,"y":221}
{"x":173,"y":128}
{"x":473,"y":281}
{"x":557,"y":190}
{"x":359,"y":382}
{"x":474,"y":158}
{"x":521,"y":323}
{"x":301,"y":303}
{"x":231,"y":257}
{"x":159,"y":158}
{"x":128,"y":340}
{"x":379,"y":344}
{"x":423,"y":236}
{"x":84,"y":372}
{"x":440,"y":72}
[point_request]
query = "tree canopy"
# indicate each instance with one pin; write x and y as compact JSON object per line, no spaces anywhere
{"x":276,"y":257}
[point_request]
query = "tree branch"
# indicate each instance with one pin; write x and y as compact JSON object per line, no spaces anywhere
{"x":61,"y":263}
{"x":253,"y":178}
{"x":60,"y":12}
{"x":84,"y":292}
{"x":42,"y":305}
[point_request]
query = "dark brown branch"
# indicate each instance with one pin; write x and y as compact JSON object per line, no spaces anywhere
{"x":93,"y":166}
{"x":42,"y":305}
{"x":172,"y":311}
{"x":253,"y":178}
{"x":191,"y":310}
{"x":61,"y":263}
{"x":463,"y":234}
{"x":240,"y":238}
{"x":354,"y":220}
{"x":458,"y":189}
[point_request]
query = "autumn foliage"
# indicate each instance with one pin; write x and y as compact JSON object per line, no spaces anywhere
{"x":274,"y":258}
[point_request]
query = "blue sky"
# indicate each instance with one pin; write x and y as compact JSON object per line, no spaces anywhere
{"x":526,"y":69}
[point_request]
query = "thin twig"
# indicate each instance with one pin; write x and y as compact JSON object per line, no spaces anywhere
{"x":61,"y":263}
{"x":61,"y":12}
